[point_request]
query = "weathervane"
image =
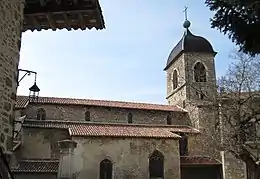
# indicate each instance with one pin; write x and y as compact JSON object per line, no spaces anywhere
{"x":186,"y":23}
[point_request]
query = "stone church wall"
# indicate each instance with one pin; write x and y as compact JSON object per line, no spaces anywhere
{"x":11,"y":18}
{"x":35,"y":175}
{"x":38,"y":143}
{"x":130,"y":157}
{"x":103,"y":114}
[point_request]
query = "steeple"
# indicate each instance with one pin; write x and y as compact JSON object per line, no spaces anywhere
{"x":186,"y":23}
{"x":189,"y":43}
{"x":190,"y":65}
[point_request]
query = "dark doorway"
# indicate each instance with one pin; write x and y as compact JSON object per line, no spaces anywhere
{"x":201,"y":172}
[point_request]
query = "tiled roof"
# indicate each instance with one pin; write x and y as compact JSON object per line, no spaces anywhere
{"x":22,"y":102}
{"x":112,"y":130}
{"x":198,"y":160}
{"x":42,"y":166}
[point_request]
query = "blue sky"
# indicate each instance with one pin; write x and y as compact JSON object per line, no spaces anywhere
{"x":125,"y":61}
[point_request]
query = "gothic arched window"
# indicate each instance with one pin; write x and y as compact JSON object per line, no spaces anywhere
{"x":183,"y":145}
{"x":175,"y":79}
{"x":87,"y":116}
{"x":105,"y":170}
{"x":156,"y":166}
{"x":41,"y":114}
{"x":169,"y":119}
{"x":200,"y":72}
{"x":130,"y":118}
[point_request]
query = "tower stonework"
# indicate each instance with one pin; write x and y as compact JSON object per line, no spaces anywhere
{"x":184,"y":59}
{"x":11,"y":13}
{"x":191,"y":84}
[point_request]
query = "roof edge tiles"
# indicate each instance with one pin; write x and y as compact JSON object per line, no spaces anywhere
{"x":36,"y":166}
{"x":198,"y":160}
{"x":85,"y":129}
{"x":22,"y":102}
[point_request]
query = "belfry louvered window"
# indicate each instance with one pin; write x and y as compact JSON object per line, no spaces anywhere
{"x":200,"y":72}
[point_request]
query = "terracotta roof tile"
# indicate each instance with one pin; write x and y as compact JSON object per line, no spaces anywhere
{"x":21,"y":102}
{"x":198,"y":160}
{"x":112,"y":130}
{"x":43,"y":166}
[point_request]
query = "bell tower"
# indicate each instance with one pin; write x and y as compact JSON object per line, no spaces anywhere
{"x":190,"y":69}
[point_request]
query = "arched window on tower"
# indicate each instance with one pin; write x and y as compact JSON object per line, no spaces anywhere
{"x":41,"y":114}
{"x":87,"y":116}
{"x":130,"y":118}
{"x":169,"y":119}
{"x":105,"y":170}
{"x":156,"y":166}
{"x":200,"y":72}
{"x":175,"y":79}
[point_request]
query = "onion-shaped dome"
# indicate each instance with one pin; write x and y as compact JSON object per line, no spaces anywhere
{"x":189,"y":43}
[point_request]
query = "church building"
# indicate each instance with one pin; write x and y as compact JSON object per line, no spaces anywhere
{"x":99,"y":139}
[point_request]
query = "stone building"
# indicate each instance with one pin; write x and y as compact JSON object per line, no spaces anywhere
{"x":79,"y":138}
{"x":17,"y":16}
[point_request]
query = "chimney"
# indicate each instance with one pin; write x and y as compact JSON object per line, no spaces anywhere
{"x":66,"y":167}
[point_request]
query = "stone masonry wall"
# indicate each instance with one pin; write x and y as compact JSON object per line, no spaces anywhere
{"x":40,"y":143}
{"x":130,"y":157}
{"x":11,"y":13}
{"x":187,"y":89}
{"x":194,"y":88}
{"x":103,"y":114}
{"x":176,"y":96}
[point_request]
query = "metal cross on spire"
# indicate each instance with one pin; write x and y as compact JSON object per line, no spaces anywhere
{"x":185,"y":12}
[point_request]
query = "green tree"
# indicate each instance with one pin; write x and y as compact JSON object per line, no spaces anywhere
{"x":240,"y":20}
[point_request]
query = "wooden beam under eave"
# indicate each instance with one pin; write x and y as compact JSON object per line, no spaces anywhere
{"x":82,"y":21}
{"x":67,"y":21}
{"x":50,"y":21}
{"x":35,"y":23}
